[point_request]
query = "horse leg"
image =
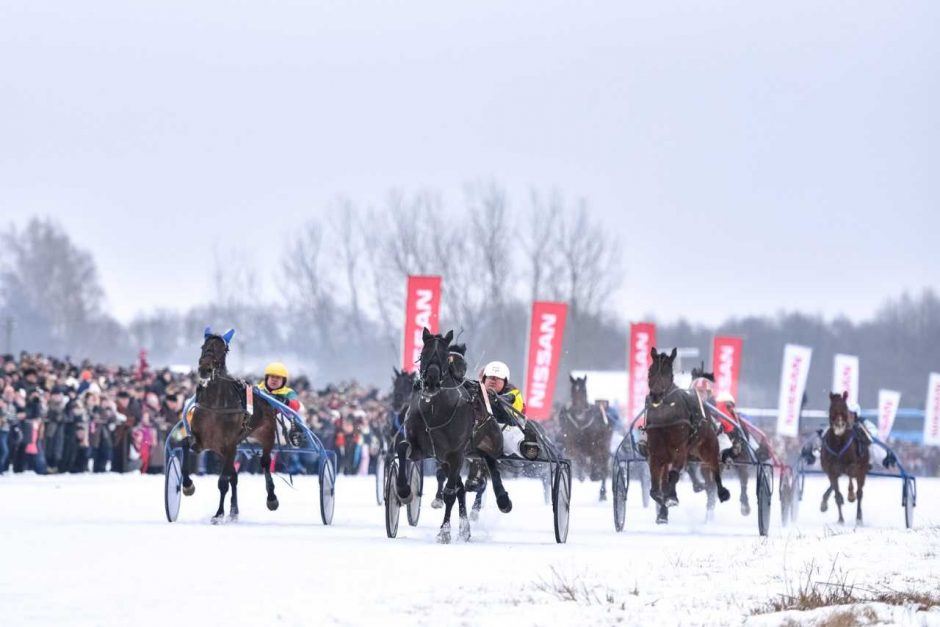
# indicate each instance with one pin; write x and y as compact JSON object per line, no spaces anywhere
{"x":402,"y":487}
{"x":851,"y":496}
{"x":233,"y":509}
{"x":745,"y":504}
{"x":502,"y":497}
{"x":438,"y":501}
{"x":672,"y":499}
{"x":450,"y":495}
{"x":858,"y":506}
{"x":824,"y":506}
{"x":834,"y":486}
{"x":464,"y":532}
{"x":272,"y":502}
{"x":189,"y":488}
{"x":711,"y":492}
{"x":223,"y":486}
{"x":603,"y":494}
{"x":477,"y":504}
{"x":714,"y":466}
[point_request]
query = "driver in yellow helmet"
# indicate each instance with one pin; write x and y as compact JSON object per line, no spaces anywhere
{"x":275,"y":384}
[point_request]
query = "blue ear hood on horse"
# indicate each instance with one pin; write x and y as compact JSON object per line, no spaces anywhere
{"x":227,"y":336}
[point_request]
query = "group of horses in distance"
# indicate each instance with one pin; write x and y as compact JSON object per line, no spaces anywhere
{"x":441,"y":415}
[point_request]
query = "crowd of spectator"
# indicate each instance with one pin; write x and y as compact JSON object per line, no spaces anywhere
{"x":59,"y":416}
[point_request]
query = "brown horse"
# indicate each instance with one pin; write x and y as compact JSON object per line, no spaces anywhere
{"x":676,"y":430}
{"x":844,"y":452}
{"x":220,"y":422}
{"x":585,"y":435}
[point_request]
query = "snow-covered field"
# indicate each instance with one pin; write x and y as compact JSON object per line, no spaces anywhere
{"x":97,"y":550}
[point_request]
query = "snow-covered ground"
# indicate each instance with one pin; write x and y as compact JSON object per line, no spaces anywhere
{"x":97,"y":550}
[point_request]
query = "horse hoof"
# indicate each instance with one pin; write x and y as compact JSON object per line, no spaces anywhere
{"x":273,"y":504}
{"x":698,"y":487}
{"x":851,"y":498}
{"x":824,"y":507}
{"x":405,"y":495}
{"x":443,"y":536}
{"x":841,"y":521}
{"x":437,"y":503}
{"x":671,"y":501}
{"x":603,"y":497}
{"x":189,"y":490}
{"x":662,"y":520}
{"x":745,"y":509}
{"x":233,"y":517}
{"x":474,"y":515}
{"x":464,"y":530}
{"x":723,"y":494}
{"x":218,"y":519}
{"x":504,"y":504}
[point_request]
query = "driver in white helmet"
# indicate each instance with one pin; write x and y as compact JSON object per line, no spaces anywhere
{"x":509,"y":410}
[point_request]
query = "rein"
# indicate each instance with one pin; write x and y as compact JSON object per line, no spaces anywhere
{"x":841,"y":451}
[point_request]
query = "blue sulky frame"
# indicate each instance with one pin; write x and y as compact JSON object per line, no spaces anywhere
{"x":628,"y":455}
{"x":173,"y":449}
{"x":908,"y":481}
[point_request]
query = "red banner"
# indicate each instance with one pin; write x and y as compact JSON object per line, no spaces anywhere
{"x":545,"y":339}
{"x":423,"y":306}
{"x":726,"y":364}
{"x":642,"y":340}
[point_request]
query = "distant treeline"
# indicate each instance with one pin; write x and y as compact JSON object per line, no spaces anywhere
{"x":339,"y":310}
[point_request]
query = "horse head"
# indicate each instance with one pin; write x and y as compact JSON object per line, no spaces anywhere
{"x":660,"y":373}
{"x":403,"y":384}
{"x":840,"y":418}
{"x":579,"y":396}
{"x":434,"y":359}
{"x":214,"y":350}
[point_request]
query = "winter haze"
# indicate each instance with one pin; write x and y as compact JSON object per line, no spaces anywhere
{"x":754,"y":158}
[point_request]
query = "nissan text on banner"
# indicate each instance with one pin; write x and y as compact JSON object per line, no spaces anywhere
{"x":544,"y":357}
{"x":932,"y":411}
{"x":888,"y":403}
{"x":793,"y":378}
{"x":845,"y":376}
{"x":422,"y":308}
{"x":642,"y":340}
{"x":726,"y":364}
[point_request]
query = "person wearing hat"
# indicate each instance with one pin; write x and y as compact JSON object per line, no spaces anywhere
{"x":509,"y":411}
{"x":702,"y":384}
{"x":275,"y":383}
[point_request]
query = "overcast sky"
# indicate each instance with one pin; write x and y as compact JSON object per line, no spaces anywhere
{"x":749,"y":158}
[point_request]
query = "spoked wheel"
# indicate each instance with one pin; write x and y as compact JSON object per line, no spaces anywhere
{"x":909,"y":500}
{"x":416,"y":481}
{"x":561,"y":502}
{"x":327,"y":490}
{"x":763,"y":500}
{"x":172,"y":485}
{"x":392,"y":505}
{"x":620,"y":487}
{"x":645,"y":484}
{"x":380,"y":479}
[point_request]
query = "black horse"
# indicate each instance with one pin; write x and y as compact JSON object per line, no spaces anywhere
{"x":585,"y":434}
{"x":676,"y":431}
{"x":440,"y":423}
{"x":220,"y":422}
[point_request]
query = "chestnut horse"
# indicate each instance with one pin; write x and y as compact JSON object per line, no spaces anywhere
{"x":843,"y":453}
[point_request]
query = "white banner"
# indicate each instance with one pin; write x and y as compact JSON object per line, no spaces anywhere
{"x":888,"y":403}
{"x":845,"y":376}
{"x":932,"y":412}
{"x":796,"y":361}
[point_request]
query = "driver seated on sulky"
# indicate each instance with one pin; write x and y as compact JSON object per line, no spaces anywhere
{"x":275,"y":384}
{"x":508,"y":410}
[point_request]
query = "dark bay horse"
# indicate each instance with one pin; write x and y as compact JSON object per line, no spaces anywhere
{"x":585,"y":435}
{"x":843,"y":453}
{"x":220,"y":422}
{"x":676,"y":430}
{"x":440,"y":423}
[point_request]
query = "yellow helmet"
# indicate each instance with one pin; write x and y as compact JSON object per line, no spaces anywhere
{"x":276,"y":369}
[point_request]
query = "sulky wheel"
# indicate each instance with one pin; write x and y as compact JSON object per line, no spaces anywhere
{"x":763,"y":499}
{"x":392,"y":504}
{"x":416,"y":481}
{"x":327,"y":490}
{"x":909,"y":500}
{"x":561,"y":502}
{"x":620,"y":487}
{"x":172,"y":487}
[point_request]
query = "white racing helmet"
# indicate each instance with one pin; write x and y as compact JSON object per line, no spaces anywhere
{"x":855,"y":409}
{"x":496,"y":369}
{"x":725,"y":397}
